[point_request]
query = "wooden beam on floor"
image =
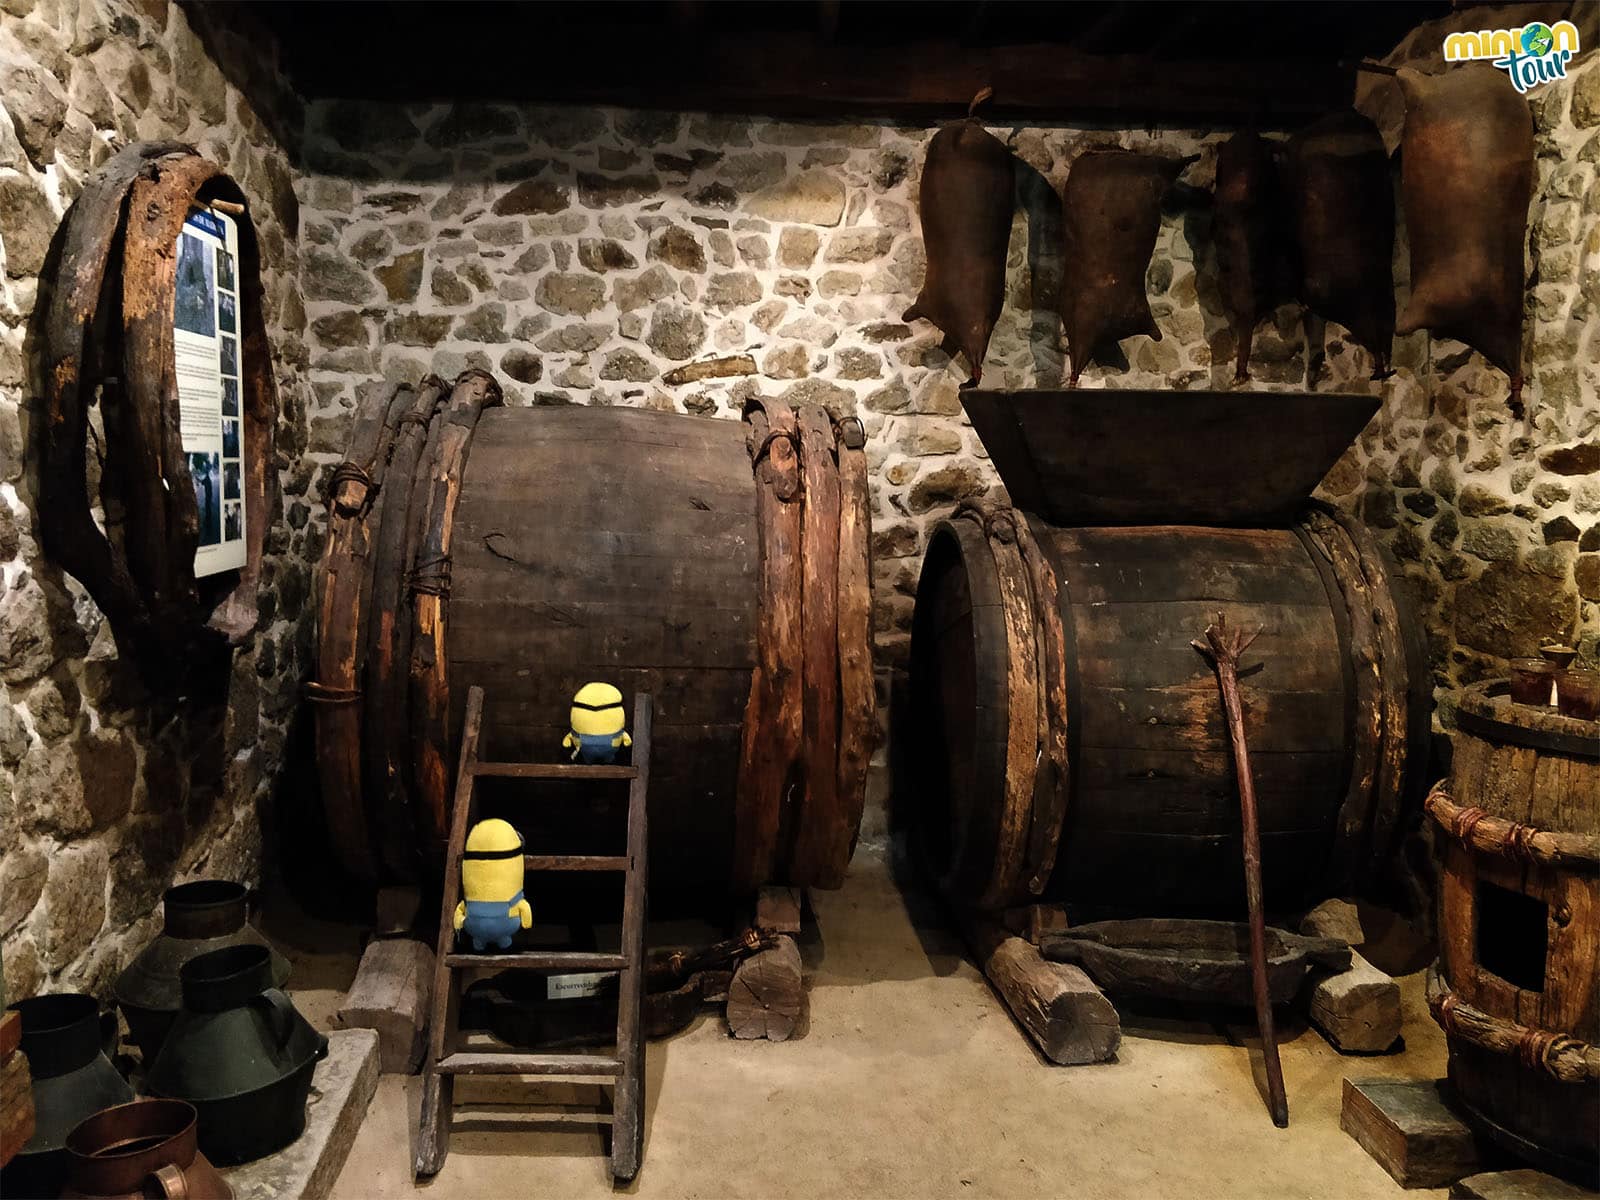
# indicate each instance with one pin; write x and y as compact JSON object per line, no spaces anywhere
{"x":1059,"y":1006}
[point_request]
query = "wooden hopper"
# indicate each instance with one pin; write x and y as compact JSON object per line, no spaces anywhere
{"x":1134,"y":457}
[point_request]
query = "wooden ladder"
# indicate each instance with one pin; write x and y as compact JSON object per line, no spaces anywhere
{"x":626,"y":1065}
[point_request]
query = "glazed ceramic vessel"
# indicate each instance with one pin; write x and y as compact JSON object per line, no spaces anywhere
{"x":241,"y":1053}
{"x":65,"y":1038}
{"x":209,"y":914}
{"x":147,"y":1148}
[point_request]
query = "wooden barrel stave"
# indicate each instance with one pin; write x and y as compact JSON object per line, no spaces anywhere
{"x":1151,"y":817}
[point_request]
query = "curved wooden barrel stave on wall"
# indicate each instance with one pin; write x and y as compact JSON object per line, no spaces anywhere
{"x":1333,"y":713}
{"x":1517,"y":989}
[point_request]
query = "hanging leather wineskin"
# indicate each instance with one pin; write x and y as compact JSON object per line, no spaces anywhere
{"x":966,"y":204}
{"x":1111,"y":210}
{"x":1343,"y":205}
{"x":1466,"y":178}
{"x":1254,"y":246}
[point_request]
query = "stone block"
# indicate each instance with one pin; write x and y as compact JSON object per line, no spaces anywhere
{"x":341,"y":1089}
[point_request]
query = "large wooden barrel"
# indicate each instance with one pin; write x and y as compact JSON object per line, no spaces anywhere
{"x":1138,"y":809}
{"x":617,"y":545}
{"x":719,"y":565}
{"x":1517,"y":989}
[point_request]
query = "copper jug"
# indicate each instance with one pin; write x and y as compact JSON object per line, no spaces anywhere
{"x":146,"y":1148}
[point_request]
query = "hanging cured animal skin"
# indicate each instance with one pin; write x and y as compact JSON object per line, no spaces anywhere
{"x":966,"y":205}
{"x":1466,"y":177}
{"x":1254,"y":246}
{"x":1344,"y":228}
{"x":1112,"y":211}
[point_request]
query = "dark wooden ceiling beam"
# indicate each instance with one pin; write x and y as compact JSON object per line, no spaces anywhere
{"x":795,"y":74}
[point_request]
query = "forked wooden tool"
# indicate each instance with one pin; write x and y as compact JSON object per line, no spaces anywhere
{"x":1224,"y":646}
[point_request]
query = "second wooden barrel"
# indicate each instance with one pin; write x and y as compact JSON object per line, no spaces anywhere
{"x":1120,"y":791}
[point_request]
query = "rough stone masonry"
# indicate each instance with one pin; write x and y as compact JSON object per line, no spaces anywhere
{"x":107,"y":797}
{"x":686,"y":261}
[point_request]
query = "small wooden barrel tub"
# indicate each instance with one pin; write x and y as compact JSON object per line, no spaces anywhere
{"x":1070,"y":742}
{"x":1517,"y":987}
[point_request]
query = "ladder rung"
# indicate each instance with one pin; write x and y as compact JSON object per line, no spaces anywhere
{"x":470,"y":1063}
{"x":542,"y":960}
{"x":575,"y":862}
{"x":517,"y":770}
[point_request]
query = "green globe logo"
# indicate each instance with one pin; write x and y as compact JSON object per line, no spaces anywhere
{"x":1537,"y":39}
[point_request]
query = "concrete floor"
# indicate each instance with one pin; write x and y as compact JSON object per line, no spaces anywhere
{"x":912,"y":1080}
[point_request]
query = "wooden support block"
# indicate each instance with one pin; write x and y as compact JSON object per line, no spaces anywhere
{"x":391,"y":994}
{"x":16,"y":1106}
{"x":766,"y":994}
{"x":778,"y":910}
{"x":1523,"y":1184}
{"x":396,"y":911}
{"x":1060,"y":1007}
{"x":1358,"y":1010}
{"x":1407,"y":1126}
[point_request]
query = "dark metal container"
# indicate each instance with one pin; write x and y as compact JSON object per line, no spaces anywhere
{"x":241,"y":1053}
{"x":206,"y":915}
{"x":147,"y":1148}
{"x":65,"y":1038}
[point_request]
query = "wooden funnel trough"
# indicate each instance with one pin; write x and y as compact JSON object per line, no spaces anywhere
{"x":1133,"y":457}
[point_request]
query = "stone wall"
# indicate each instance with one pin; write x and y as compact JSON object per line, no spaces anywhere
{"x":107,"y":797}
{"x":1496,"y":519}
{"x":685,"y":262}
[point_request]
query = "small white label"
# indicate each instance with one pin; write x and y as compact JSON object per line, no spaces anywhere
{"x":574,"y":987}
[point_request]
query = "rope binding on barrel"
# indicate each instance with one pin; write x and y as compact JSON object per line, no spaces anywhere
{"x":430,"y":578}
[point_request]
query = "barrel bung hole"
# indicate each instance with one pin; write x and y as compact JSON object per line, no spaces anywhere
{"x":1512,"y":935}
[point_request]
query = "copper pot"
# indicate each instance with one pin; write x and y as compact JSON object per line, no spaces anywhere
{"x":143,"y":1149}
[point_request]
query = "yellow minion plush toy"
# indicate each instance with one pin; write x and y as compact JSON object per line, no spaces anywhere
{"x":597,"y":719}
{"x":491,"y":882}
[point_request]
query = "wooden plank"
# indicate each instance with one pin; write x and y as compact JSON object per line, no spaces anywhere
{"x":1059,"y":1007}
{"x":774,"y":719}
{"x":1411,"y":1131}
{"x":553,"y":771}
{"x":480,"y":1063}
{"x":539,"y":960}
{"x":576,"y":862}
{"x":857,"y":688}
{"x":627,"y":1129}
{"x":343,"y":587}
{"x":385,"y":671}
{"x":806,"y":76}
{"x":438,"y":1087}
{"x":820,"y":829}
{"x":1186,"y":716}
{"x":429,"y":696}
{"x":392,"y":994}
